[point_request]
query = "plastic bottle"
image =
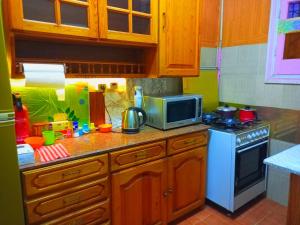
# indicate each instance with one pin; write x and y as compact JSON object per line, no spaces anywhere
{"x":22,"y":124}
{"x":139,"y":101}
{"x":138,"y":97}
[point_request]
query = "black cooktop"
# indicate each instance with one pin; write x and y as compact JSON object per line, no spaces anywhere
{"x":232,"y":124}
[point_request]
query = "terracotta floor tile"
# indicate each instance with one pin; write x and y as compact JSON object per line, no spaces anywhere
{"x":218,"y":220}
{"x":202,"y":215}
{"x":264,"y":212}
{"x":271,"y":221}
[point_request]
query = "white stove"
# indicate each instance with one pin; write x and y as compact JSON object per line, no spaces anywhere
{"x":236,"y":173}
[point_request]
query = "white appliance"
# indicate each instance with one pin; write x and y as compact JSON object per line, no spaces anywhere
{"x":236,"y":173}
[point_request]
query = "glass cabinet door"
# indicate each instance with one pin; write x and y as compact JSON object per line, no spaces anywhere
{"x":70,"y":17}
{"x":131,"y":20}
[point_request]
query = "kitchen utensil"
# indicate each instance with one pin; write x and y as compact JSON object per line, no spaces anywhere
{"x":97,"y":108}
{"x":131,"y":122}
{"x":105,"y":128}
{"x":60,"y":125}
{"x":85,"y":128}
{"x":25,"y":154}
{"x":35,"y":142}
{"x":22,"y":124}
{"x":247,"y":114}
{"x":227,"y":111}
{"x":209,"y":118}
{"x":49,"y":137}
{"x":38,"y":128}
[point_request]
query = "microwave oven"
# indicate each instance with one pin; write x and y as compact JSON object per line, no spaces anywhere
{"x":173,"y":111}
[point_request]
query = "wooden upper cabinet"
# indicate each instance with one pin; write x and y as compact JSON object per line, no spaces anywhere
{"x":129,"y":20}
{"x":210,"y":23}
{"x":139,"y":195}
{"x":62,"y":17}
{"x":246,"y":22}
{"x":187,"y":181}
{"x":179,"y":37}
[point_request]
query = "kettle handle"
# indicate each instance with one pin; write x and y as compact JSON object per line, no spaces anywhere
{"x":143,"y":113}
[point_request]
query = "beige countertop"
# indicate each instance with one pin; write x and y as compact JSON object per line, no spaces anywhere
{"x":100,"y":143}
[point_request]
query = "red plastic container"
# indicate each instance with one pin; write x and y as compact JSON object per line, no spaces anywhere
{"x":22,"y":124}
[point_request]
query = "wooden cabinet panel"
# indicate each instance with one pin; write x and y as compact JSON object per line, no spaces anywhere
{"x":185,"y":142}
{"x":293,"y":212}
{"x":75,"y":18}
{"x":210,"y":23}
{"x":186,"y":180}
{"x":64,"y":175}
{"x":93,"y":215}
{"x":246,"y":22}
{"x":179,"y":37}
{"x":129,"y":21}
{"x":138,"y":195}
{"x":63,"y":202}
{"x":137,"y":155}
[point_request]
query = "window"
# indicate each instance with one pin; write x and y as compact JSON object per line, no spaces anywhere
{"x":283,"y":60}
{"x":294,"y":9}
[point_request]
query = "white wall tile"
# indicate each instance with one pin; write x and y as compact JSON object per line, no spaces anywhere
{"x":243,"y":74}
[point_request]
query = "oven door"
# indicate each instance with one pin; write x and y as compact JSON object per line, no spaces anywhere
{"x":249,"y":166}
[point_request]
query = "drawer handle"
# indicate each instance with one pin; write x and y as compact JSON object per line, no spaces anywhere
{"x":71,"y":173}
{"x":72,"y":200}
{"x":189,"y":142}
{"x":141,"y":155}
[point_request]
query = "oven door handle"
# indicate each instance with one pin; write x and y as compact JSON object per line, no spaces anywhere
{"x":253,"y":146}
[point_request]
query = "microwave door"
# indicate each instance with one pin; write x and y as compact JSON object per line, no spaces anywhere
{"x":181,"y":110}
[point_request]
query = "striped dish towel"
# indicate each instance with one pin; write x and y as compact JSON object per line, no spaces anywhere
{"x":52,"y":152}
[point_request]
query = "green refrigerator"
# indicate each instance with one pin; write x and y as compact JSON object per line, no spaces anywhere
{"x":11,"y":204}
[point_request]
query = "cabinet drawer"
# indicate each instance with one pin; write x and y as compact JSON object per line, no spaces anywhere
{"x":64,"y":175}
{"x":185,"y":142}
{"x":94,"y":215}
{"x":64,"y":202}
{"x":137,"y":155}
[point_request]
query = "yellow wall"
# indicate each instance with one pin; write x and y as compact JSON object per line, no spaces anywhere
{"x":206,"y":85}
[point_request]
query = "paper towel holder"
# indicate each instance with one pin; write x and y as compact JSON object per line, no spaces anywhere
{"x":20,"y":67}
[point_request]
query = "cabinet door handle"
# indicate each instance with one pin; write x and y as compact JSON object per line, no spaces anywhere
{"x":165,"y":194}
{"x":170,"y":190}
{"x":164,"y":21}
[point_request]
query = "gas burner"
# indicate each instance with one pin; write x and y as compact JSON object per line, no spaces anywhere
{"x":232,"y":124}
{"x":210,"y":118}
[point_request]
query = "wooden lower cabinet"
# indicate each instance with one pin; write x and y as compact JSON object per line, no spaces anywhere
{"x":93,"y":215}
{"x":187,"y":181}
{"x":150,"y":184}
{"x":139,"y":195}
{"x":67,"y":201}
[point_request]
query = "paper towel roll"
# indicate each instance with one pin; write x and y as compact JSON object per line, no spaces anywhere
{"x":44,"y":75}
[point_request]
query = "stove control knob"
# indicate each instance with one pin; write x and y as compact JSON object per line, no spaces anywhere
{"x":261,"y":132}
{"x":265,"y":131}
{"x":257,"y":133}
{"x":249,"y":136}
{"x":253,"y":135}
{"x":238,"y":141}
